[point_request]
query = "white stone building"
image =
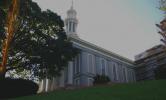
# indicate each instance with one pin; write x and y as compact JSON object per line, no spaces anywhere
{"x":91,"y":61}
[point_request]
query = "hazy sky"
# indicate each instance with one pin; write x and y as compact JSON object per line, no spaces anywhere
{"x":125,"y":27}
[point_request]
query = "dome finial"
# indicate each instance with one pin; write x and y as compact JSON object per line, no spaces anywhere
{"x":72,"y":4}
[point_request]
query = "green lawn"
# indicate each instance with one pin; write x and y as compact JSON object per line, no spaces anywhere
{"x":148,"y":90}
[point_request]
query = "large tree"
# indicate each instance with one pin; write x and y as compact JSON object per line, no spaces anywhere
{"x":160,"y":72}
{"x":162,"y":24}
{"x":162,"y":5}
{"x":40,"y":44}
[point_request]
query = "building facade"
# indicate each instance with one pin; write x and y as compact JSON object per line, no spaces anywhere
{"x":148,"y":61}
{"x":91,"y":61}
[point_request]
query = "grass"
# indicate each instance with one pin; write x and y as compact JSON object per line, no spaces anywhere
{"x":147,"y":90}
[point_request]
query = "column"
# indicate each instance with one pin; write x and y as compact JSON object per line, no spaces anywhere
{"x":40,"y":86}
{"x":53,"y":84}
{"x":43,"y":85}
{"x":47,"y":85}
{"x":62,"y":79}
{"x":70,"y":73}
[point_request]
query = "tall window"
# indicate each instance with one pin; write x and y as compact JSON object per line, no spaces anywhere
{"x":129,"y":76}
{"x":114,"y":72}
{"x":90,"y":63}
{"x":103,"y":67}
{"x":90,"y":81}
{"x":77,"y":82}
{"x":132,"y":75}
{"x":73,"y":27}
{"x":70,"y":26}
{"x":124,"y":75}
{"x":77,"y":64}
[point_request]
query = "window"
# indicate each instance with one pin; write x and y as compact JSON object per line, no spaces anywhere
{"x":73,"y":27}
{"x":77,"y":62}
{"x":77,"y":82}
{"x":129,"y":75}
{"x":70,"y":26}
{"x":90,"y":81}
{"x":103,"y":67}
{"x":133,"y":76}
{"x":90,"y":63}
{"x":124,"y":75}
{"x":114,"y":72}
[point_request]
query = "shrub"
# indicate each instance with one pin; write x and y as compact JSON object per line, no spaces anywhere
{"x":11,"y":88}
{"x":101,"y":79}
{"x":160,"y":72}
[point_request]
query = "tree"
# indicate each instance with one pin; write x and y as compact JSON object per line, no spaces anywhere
{"x":160,"y":71}
{"x":40,"y":44}
{"x":162,"y":4}
{"x":162,"y":25}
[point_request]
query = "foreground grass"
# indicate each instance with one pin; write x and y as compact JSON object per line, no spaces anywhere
{"x":148,"y":90}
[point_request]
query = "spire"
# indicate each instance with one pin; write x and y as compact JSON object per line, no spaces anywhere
{"x":72,"y":10}
{"x":72,"y":4}
{"x":71,"y":21}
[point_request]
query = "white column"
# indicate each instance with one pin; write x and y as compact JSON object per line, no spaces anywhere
{"x":53,"y":84}
{"x":40,"y":86}
{"x":70,"y":73}
{"x":62,"y":79}
{"x":47,"y":85}
{"x":43,"y":85}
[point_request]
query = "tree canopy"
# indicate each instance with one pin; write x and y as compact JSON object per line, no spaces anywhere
{"x":162,"y":5}
{"x":40,"y":44}
{"x":162,"y":24}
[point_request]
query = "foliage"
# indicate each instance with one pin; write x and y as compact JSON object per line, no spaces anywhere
{"x":5,"y":3}
{"x":160,"y":72}
{"x":162,"y":5}
{"x":40,"y":44}
{"x":162,"y":24}
{"x":12,"y":88}
{"x":2,"y":25}
{"x":101,"y":79}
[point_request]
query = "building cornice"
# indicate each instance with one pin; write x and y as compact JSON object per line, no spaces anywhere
{"x":77,"y":40}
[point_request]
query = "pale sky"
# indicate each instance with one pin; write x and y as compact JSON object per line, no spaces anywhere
{"x":125,"y":27}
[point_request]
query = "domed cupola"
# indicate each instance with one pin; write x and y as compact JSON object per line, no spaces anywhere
{"x":71,"y":22}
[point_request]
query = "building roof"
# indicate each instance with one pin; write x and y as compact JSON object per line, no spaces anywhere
{"x":95,"y":47}
{"x":150,"y":52}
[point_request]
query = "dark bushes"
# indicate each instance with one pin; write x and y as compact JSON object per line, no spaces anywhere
{"x":101,"y":79}
{"x":160,"y":72}
{"x":11,"y":88}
